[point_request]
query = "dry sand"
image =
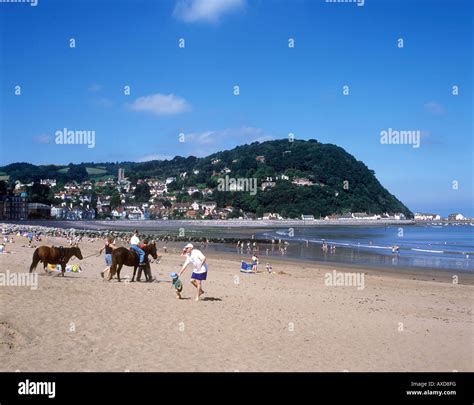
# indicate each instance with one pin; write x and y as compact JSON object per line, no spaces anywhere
{"x":289,"y":321}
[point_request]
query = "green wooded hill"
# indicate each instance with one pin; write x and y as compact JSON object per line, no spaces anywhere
{"x":341,"y":183}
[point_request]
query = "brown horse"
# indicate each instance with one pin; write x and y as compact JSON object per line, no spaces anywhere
{"x":123,"y":256}
{"x":54,"y":255}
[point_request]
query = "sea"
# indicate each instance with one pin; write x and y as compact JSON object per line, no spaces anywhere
{"x":449,"y":247}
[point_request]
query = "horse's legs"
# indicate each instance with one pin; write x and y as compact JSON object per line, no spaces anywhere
{"x":118,"y":271}
{"x":45,"y":265}
{"x":134,"y":271}
{"x":148,"y":275}
{"x":142,"y":269}
{"x":113,"y":270}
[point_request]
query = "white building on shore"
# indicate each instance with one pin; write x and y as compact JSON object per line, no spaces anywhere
{"x":456,"y":217}
{"x":427,"y":217}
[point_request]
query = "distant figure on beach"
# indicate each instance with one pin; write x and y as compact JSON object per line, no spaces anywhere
{"x":109,"y":248}
{"x":198,"y":260}
{"x":134,"y":244}
{"x":255,"y":263}
{"x":269,"y":268}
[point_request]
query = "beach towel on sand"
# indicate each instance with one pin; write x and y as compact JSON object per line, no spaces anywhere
{"x":246,"y":267}
{"x":70,"y":268}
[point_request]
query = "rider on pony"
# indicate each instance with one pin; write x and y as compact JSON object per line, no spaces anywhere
{"x":135,"y":245}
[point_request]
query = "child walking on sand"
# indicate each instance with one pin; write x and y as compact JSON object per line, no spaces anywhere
{"x":177,"y":284}
{"x":198,"y":260}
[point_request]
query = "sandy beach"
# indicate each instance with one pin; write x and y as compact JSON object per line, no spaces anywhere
{"x":288,"y":321}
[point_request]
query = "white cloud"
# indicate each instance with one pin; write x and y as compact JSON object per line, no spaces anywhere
{"x":43,"y":138}
{"x":202,"y":138}
{"x":104,"y":102}
{"x":161,"y":104}
{"x":242,"y":135}
{"x":147,"y":158}
{"x":205,"y":10}
{"x":93,"y":88}
{"x":205,"y":143}
{"x":435,"y":108}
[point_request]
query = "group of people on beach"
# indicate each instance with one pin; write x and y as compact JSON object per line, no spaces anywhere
{"x":328,"y":248}
{"x":253,"y":248}
{"x":192,"y":256}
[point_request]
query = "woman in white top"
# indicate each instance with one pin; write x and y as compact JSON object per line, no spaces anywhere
{"x":198,"y":260}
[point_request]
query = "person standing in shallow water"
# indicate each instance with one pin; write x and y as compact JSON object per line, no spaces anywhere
{"x":198,"y":260}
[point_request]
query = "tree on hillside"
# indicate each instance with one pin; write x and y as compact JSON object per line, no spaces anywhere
{"x":3,"y":187}
{"x":142,"y":193}
{"x":39,"y":193}
{"x":77,"y":173}
{"x":115,"y":200}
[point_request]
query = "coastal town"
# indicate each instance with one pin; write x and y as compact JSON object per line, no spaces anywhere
{"x":117,"y":198}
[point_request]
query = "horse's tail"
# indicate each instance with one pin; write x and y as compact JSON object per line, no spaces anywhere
{"x":35,"y":261}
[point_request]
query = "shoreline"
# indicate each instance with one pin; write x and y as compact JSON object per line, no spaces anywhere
{"x":175,"y":244}
{"x":225,"y":241}
{"x":408,"y":273}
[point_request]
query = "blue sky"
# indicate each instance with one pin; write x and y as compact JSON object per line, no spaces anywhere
{"x":282,"y":90}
